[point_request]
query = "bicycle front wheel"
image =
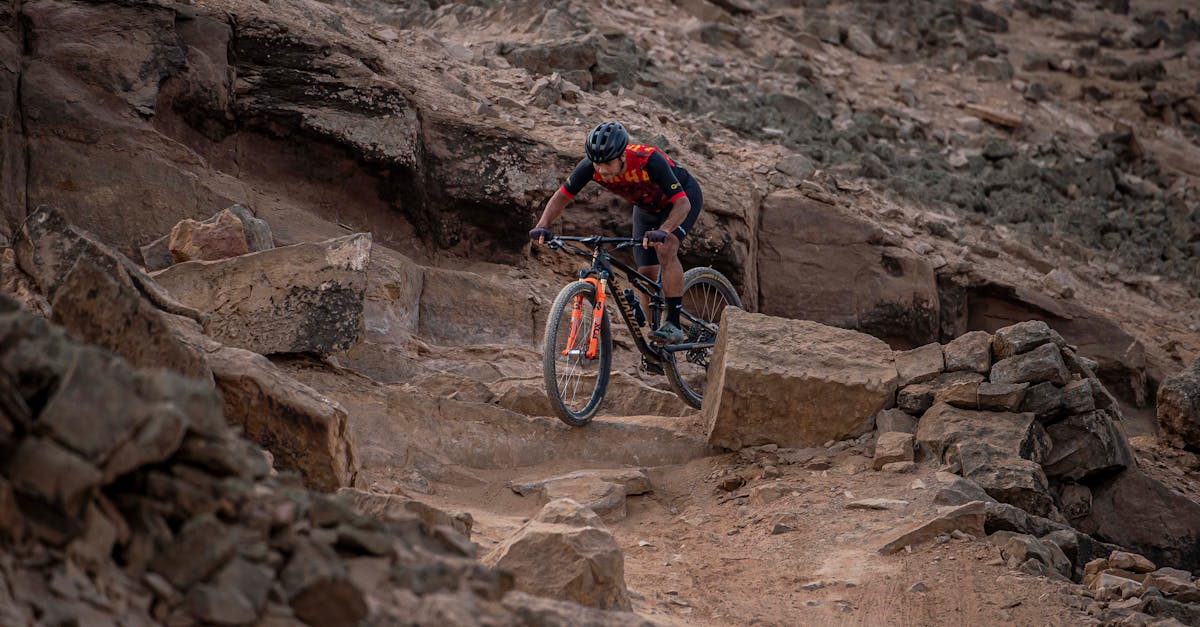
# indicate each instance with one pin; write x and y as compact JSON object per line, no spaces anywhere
{"x":706,"y":294}
{"x":575,"y":382}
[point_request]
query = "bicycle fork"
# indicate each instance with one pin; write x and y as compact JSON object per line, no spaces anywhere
{"x":597,"y":318}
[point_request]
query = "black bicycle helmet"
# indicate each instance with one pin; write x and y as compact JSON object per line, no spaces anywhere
{"x":606,"y":142}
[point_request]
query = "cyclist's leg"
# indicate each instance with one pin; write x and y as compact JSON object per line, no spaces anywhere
{"x":645,"y":258}
{"x":668,"y":253}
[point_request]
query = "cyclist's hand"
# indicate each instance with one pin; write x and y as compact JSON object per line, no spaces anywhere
{"x":539,"y":234}
{"x":653,"y":239}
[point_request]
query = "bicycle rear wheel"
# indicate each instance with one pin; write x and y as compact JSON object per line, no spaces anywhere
{"x":706,"y":294}
{"x":575,"y":384}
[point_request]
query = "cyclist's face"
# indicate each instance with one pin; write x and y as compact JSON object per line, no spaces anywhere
{"x":610,"y":169}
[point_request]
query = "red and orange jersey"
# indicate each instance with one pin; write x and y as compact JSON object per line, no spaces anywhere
{"x":649,"y":180}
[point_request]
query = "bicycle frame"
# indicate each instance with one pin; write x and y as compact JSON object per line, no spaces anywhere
{"x":600,"y":274}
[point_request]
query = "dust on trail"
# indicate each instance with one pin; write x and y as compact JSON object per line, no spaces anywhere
{"x":697,"y":555}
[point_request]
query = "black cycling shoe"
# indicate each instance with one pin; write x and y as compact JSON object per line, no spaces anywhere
{"x":652,"y":367}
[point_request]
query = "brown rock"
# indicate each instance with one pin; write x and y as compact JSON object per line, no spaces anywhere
{"x":12,"y":524}
{"x":919,"y":364}
{"x":202,"y":546}
{"x":967,"y":518}
{"x":1022,"y":338}
{"x":1021,"y":547}
{"x":1178,"y":407}
{"x":1001,"y":396}
{"x":568,"y":512}
{"x":893,"y":447}
{"x":605,"y":498}
{"x":1043,"y":363}
{"x":964,"y":394}
{"x":256,"y":233}
{"x":970,"y":351}
{"x":918,"y":397}
{"x":811,"y":247}
{"x":943,"y":427}
{"x":634,"y":481}
{"x":99,"y":309}
{"x":1085,"y":446}
{"x":222,"y":238}
{"x":302,"y":429}
{"x":768,"y":492}
{"x":318,"y":588}
{"x":580,"y":564}
{"x":49,"y":248}
{"x":1130,"y":561}
{"x":1076,"y":501}
{"x":895,"y":420}
{"x":792,"y":382}
{"x":53,"y":474}
{"x":1078,"y":397}
{"x":1170,"y":580}
{"x":535,"y":610}
{"x":294,"y":299}
{"x":995,"y":116}
{"x":1044,"y":400}
{"x":401,"y":507}
{"x":1007,"y":478}
{"x":1136,"y":511}
{"x":999,"y":451}
{"x":899,"y":467}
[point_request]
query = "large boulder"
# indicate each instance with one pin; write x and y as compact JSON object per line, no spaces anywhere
{"x":567,"y":562}
{"x":821,"y":263}
{"x":1000,"y":451}
{"x":793,"y":383}
{"x":302,"y":429}
{"x":1086,"y":446}
{"x":1137,"y":511}
{"x":293,"y":299}
{"x":103,"y":298}
{"x":1179,"y":407}
{"x":944,"y":427}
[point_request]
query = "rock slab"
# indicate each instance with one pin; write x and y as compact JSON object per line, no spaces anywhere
{"x":792,"y":382}
{"x":293,"y":299}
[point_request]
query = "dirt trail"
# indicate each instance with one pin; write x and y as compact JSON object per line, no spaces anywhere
{"x":699,"y":555}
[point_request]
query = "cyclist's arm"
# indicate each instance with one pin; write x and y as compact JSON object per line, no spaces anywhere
{"x":554,"y":208}
{"x":574,"y":184}
{"x":660,"y":172}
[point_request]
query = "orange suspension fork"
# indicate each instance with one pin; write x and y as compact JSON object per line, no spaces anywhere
{"x":597,"y":317}
{"x":576,"y":318}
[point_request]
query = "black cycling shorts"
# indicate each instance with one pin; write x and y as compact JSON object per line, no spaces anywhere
{"x":648,"y":221}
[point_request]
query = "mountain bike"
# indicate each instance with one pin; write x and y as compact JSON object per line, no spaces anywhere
{"x":577,"y":357}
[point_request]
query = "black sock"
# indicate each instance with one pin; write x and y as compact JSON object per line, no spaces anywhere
{"x":674,"y":304}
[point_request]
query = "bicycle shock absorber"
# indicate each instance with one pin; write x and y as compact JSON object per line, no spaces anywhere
{"x":631,"y":301}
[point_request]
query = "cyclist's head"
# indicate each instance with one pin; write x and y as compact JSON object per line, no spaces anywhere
{"x":606,"y":143}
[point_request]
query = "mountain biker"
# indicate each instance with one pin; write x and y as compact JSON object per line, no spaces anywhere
{"x":666,"y":202}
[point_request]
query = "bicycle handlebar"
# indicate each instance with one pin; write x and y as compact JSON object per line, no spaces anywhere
{"x":591,"y":241}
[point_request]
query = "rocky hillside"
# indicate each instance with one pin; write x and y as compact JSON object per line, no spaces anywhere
{"x":969,"y":233}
